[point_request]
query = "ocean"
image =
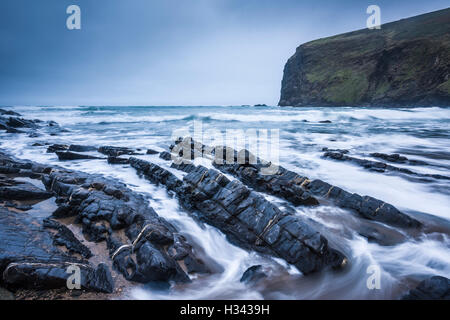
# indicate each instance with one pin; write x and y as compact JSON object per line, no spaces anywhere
{"x":418,"y":133}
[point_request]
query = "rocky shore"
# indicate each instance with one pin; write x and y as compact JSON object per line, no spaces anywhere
{"x":111,"y":234}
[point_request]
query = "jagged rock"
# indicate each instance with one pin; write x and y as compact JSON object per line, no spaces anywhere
{"x":118,"y":160}
{"x":38,"y":264}
{"x":57,"y":147}
{"x":80,"y":148}
{"x":298,"y":189}
{"x":5,"y":125}
{"x":434,"y":288}
{"x":404,"y":63}
{"x":368,"y":207}
{"x":248,"y":219}
{"x":65,"y":237}
{"x":150,"y":151}
{"x":15,"y":122}
{"x":380,"y":166}
{"x":344,"y":151}
{"x":103,"y":206}
{"x":165,"y":155}
{"x":9,"y":170}
{"x":18,"y":190}
{"x":9,"y":113}
{"x":36,"y":275}
{"x":116,"y":151}
{"x":395,"y":157}
{"x":68,"y":155}
{"x":253,"y":274}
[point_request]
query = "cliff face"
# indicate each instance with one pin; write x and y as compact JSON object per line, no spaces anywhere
{"x":404,"y":63}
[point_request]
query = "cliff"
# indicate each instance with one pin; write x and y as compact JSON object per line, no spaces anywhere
{"x":404,"y":63}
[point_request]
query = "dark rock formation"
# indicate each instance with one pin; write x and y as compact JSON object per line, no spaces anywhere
{"x":116,"y":151}
{"x":103,"y":207}
{"x":68,"y":155}
{"x":253,"y":274}
{"x":14,"y":124}
{"x":118,"y":160}
{"x":4,"y":112}
{"x":18,"y":190}
{"x":28,"y":257}
{"x":64,"y":237}
{"x":434,"y":288}
{"x":73,"y":147}
{"x":381,"y":166}
{"x":150,"y":151}
{"x":404,"y":63}
{"x":142,"y":246}
{"x":57,"y":147}
{"x":80,"y":148}
{"x":36,"y":275}
{"x":395,"y":157}
{"x":247,"y":218}
{"x":165,"y":155}
{"x":293,"y":187}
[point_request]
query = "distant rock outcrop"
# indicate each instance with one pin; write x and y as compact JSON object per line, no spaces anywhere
{"x":404,"y":63}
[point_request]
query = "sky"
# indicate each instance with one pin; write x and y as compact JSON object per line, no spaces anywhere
{"x":167,"y":52}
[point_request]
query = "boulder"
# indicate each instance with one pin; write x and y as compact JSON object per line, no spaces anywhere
{"x":14,"y":190}
{"x":39,"y":264}
{"x":57,"y":147}
{"x":150,"y":151}
{"x":116,"y":151}
{"x":433,"y":288}
{"x":254,"y":274}
{"x":68,"y":155}
{"x":4,"y":112}
{"x":118,"y":160}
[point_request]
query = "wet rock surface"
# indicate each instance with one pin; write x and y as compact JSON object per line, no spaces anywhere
{"x":28,"y":257}
{"x":11,"y":122}
{"x":247,"y":219}
{"x":18,"y":190}
{"x":118,"y":160}
{"x":395,"y":157}
{"x":434,"y":288}
{"x":142,"y":246}
{"x":116,"y":151}
{"x":293,"y":187}
{"x":253,"y":274}
{"x":68,"y":155}
{"x":381,"y":166}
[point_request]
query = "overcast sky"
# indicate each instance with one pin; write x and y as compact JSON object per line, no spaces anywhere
{"x":166,"y":52}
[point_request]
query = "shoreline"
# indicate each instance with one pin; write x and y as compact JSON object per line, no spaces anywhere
{"x":61,"y":183}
